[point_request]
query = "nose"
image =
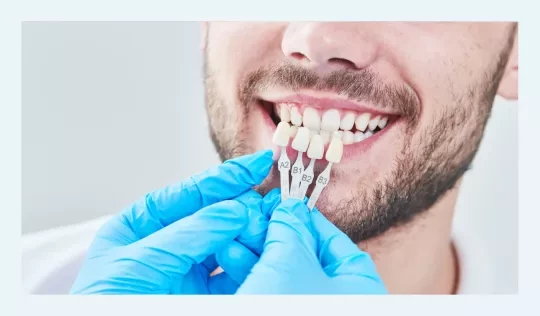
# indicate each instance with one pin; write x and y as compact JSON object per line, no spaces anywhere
{"x":329,"y":46}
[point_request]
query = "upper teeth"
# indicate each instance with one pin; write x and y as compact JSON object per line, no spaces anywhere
{"x":362,"y":122}
{"x":332,"y":120}
{"x":311,"y":119}
{"x":296,"y":118}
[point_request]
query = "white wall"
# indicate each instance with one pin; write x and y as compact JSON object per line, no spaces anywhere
{"x":114,"y":110}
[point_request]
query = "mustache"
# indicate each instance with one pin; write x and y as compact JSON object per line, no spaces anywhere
{"x":357,"y":85}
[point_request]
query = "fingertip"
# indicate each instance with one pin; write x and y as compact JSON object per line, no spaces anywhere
{"x":267,"y":152}
{"x":294,"y":205}
{"x":257,"y":165}
{"x":236,"y":260}
{"x":270,"y":201}
{"x":295,"y":208}
{"x":273,"y":192}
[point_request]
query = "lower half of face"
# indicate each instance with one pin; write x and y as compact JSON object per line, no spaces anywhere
{"x":390,"y":171}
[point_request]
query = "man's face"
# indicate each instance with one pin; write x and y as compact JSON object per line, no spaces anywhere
{"x":434,"y":82}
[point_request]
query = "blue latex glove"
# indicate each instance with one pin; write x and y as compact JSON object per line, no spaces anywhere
{"x":303,"y":253}
{"x":166,"y":242}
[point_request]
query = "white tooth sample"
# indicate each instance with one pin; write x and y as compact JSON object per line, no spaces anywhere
{"x":312,"y":133}
{"x":383,"y":121}
{"x":330,"y":120}
{"x":296,"y":118}
{"x":293,"y":130}
{"x":301,"y":141}
{"x":325,"y":136}
{"x":373,"y":123}
{"x":368,"y":134}
{"x":316,"y":147}
{"x":284,"y":113}
{"x":362,"y":122}
{"x":311,"y":119}
{"x":348,"y":138}
{"x":347,"y":122}
{"x":358,"y":137}
{"x":334,"y":151}
{"x":282,"y":134}
{"x":337,"y":134}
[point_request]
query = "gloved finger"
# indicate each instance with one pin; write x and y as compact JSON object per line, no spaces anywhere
{"x":174,"y":249}
{"x":222,"y":284}
{"x":165,"y":206}
{"x":337,"y":253}
{"x":210,"y":263}
{"x":255,"y":232}
{"x":270,"y":201}
{"x":237,"y":261}
{"x":289,"y":235}
{"x":289,"y":253}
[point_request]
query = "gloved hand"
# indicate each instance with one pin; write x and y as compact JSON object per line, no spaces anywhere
{"x":303,"y":253}
{"x":166,"y":242}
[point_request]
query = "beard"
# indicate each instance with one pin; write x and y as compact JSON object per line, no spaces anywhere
{"x":429,"y":163}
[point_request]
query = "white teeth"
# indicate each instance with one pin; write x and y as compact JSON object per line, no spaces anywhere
{"x":311,"y":119}
{"x":358,"y":137}
{"x":284,"y":113}
{"x":293,"y":130}
{"x":374,"y":123}
{"x":348,"y":138}
{"x":316,"y":147}
{"x":296,"y":118}
{"x":301,"y":141}
{"x":323,"y":130}
{"x":382,"y":122}
{"x":335,"y":150}
{"x":362,"y":122}
{"x":281,"y":135}
{"x":347,"y":122}
{"x":325,"y":136}
{"x":337,"y":134}
{"x":330,"y":120}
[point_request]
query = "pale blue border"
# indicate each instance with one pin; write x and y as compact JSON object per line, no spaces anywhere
{"x":10,"y":161}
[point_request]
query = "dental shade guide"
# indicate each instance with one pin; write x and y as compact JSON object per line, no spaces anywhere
{"x":300,"y":143}
{"x":281,"y":138}
{"x":333,"y":155}
{"x":315,"y":151}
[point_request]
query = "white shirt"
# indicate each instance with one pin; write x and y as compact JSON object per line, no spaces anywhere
{"x":51,"y":259}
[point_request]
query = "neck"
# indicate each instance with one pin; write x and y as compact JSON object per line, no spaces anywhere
{"x":419,"y":258}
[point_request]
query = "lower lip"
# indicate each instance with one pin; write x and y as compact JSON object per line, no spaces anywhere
{"x":349,"y":151}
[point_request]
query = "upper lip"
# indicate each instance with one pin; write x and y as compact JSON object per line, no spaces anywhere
{"x":327,"y":101}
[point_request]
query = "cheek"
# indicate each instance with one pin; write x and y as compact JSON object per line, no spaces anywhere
{"x":260,"y":129}
{"x":236,"y":49}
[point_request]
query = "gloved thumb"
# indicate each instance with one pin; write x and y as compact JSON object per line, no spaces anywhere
{"x":290,"y":253}
{"x":290,"y":231}
{"x":289,"y":245}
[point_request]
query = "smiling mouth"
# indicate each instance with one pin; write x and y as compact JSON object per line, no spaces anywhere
{"x":331,"y":118}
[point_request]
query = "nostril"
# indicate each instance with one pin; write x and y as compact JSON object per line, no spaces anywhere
{"x":342,"y":62}
{"x":299,"y":56}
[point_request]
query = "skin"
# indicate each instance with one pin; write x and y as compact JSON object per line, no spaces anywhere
{"x":396,"y":197}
